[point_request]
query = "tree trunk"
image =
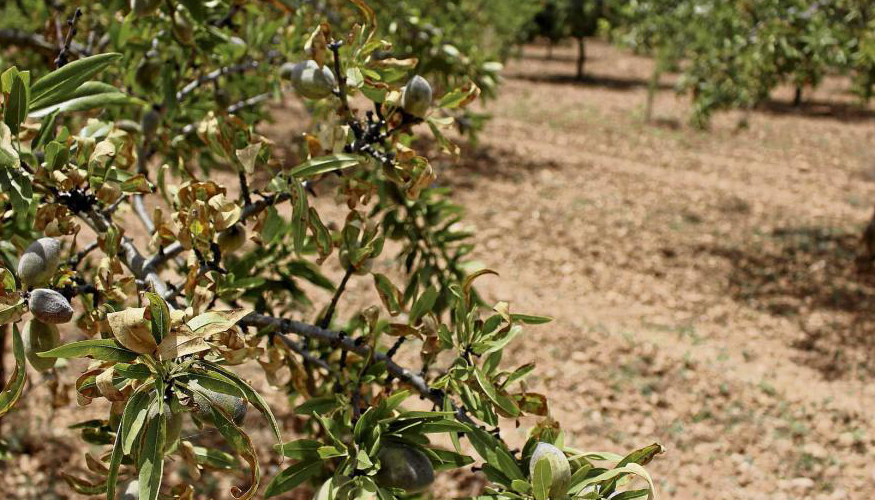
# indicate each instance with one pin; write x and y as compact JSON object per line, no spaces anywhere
{"x":581,"y":56}
{"x":652,"y":87}
{"x":797,"y":99}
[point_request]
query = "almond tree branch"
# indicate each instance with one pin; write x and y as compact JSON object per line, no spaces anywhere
{"x":37,"y":42}
{"x":406,"y":376}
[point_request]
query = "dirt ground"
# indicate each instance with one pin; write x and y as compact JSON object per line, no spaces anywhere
{"x":705,"y":285}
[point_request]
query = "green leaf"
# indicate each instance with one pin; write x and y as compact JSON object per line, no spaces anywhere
{"x":16,"y":183}
{"x":610,"y":477}
{"x":502,"y":401}
{"x":138,"y":401}
{"x":215,"y":458}
{"x":424,"y":304}
{"x":63,"y":81}
{"x":323,"y":164}
{"x":447,"y":460}
{"x":254,"y":398}
{"x":13,"y":388}
{"x":292,"y":476}
{"x":90,"y":95}
{"x":133,"y":418}
{"x":15,"y":110}
{"x":242,"y":445}
{"x":300,"y":213}
{"x":494,"y":452}
{"x":46,"y":131}
{"x":458,"y":97}
{"x":151,"y":458}
{"x":530,"y":320}
{"x":300,"y":449}
{"x":100,"y":349}
{"x":160,"y":316}
{"x":542,"y":478}
{"x":319,"y":405}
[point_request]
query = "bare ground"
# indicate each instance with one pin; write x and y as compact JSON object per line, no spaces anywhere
{"x":703,"y":284}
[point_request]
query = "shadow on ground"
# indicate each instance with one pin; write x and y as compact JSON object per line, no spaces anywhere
{"x":842,"y":111}
{"x":492,"y":162}
{"x":801,"y":271}
{"x":589,"y":80}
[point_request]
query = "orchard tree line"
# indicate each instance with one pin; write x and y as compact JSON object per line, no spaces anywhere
{"x":730,"y":54}
{"x":158,"y":254}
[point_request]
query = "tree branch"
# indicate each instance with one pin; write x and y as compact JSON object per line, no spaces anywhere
{"x":213,"y":76}
{"x":347,"y":343}
{"x":37,"y":42}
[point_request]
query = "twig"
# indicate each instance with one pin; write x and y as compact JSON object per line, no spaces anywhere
{"x":244,"y":188}
{"x":167,"y":253}
{"x":339,"y":75}
{"x":306,"y":354}
{"x":252,"y":101}
{"x":213,"y":76}
{"x":63,"y":56}
{"x":329,"y":313}
{"x":81,"y":254}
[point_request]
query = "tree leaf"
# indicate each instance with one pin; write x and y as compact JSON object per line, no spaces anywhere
{"x":299,"y":449}
{"x":136,"y":406}
{"x":292,"y":476}
{"x":390,"y":295}
{"x":159,"y":316}
{"x":100,"y":349}
{"x":212,"y":322}
{"x":542,"y":478}
{"x":13,"y":388}
{"x":424,"y":304}
{"x":505,"y":403}
{"x":132,"y":330}
{"x":63,"y":81}
{"x":181,"y":343}
{"x":323,"y":164}
{"x":254,"y":397}
{"x":242,"y":445}
{"x":8,"y":153}
{"x":90,"y":95}
{"x":15,"y":109}
{"x":151,"y":457}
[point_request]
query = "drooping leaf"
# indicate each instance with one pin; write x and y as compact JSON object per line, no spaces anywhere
{"x":253,"y":396}
{"x":15,"y":385}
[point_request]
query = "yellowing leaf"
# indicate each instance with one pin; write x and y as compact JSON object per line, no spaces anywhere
{"x":182,"y":343}
{"x":131,"y":328}
{"x":212,"y":322}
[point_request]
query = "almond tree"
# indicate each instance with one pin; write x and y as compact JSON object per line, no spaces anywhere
{"x":127,"y":124}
